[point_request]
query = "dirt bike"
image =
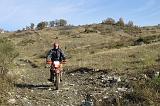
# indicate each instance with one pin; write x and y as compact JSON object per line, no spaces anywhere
{"x":57,"y":73}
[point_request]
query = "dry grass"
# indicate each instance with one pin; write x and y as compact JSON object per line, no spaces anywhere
{"x":8,"y":53}
{"x":114,"y":50}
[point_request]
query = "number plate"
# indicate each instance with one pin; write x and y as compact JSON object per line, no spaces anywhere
{"x":56,"y":63}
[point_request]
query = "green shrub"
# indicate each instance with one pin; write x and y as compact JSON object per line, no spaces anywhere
{"x":156,"y":83}
{"x":42,"y":25}
{"x":25,"y":42}
{"x":65,"y":32}
{"x":109,"y":21}
{"x":7,"y":54}
{"x":147,"y":39}
{"x":6,"y":85}
{"x":90,"y":30}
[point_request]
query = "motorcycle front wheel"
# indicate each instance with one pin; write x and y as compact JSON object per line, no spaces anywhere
{"x":57,"y":80}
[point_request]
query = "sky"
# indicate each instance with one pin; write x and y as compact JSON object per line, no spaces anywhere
{"x":16,"y":14}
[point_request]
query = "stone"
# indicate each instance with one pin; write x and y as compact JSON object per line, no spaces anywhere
{"x":12,"y":101}
{"x":156,"y":74}
{"x":123,"y":89}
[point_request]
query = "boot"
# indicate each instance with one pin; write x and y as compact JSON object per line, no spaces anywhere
{"x":51,"y":76}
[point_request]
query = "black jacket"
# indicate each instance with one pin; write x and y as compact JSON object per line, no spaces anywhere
{"x":56,"y":55}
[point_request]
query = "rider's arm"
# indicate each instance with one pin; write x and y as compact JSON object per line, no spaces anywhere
{"x":49,"y":56}
{"x":63,"y":55}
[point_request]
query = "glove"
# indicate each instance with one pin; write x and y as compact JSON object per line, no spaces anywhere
{"x":64,"y":61}
{"x":49,"y":62}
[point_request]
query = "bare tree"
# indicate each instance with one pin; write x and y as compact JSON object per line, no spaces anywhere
{"x":109,"y":21}
{"x":32,"y":26}
{"x":120,"y":22}
{"x":130,"y":24}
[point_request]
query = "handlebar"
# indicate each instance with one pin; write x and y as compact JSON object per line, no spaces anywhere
{"x":62,"y":62}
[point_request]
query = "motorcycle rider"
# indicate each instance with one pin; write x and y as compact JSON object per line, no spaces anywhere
{"x":55,"y":54}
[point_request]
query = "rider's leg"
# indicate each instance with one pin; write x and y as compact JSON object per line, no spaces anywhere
{"x":51,"y":74}
{"x":61,"y":68}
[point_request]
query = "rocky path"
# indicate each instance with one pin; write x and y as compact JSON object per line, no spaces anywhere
{"x":80,"y":86}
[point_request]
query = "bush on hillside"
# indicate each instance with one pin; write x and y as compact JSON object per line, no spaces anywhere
{"x":155,"y":83}
{"x":42,"y":25}
{"x":63,"y":32}
{"x":25,"y":42}
{"x":120,"y":22}
{"x":7,"y":54}
{"x":109,"y":21}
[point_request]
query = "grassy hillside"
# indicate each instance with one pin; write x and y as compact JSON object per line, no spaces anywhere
{"x":125,"y":50}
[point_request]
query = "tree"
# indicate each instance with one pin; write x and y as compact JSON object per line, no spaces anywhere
{"x":57,"y":23}
{"x":41,"y":25}
{"x":46,"y":23}
{"x":109,"y":21}
{"x":32,"y":26}
{"x":120,"y":22}
{"x":52,"y":23}
{"x":62,"y":22}
{"x":130,"y":24}
{"x":27,"y":28}
{"x":1,"y":30}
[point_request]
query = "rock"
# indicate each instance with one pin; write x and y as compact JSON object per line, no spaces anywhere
{"x":95,"y":70}
{"x":10,"y":93}
{"x":17,"y":96}
{"x":112,"y":80}
{"x":100,"y":100}
{"x":50,"y":89}
{"x":71,"y":84}
{"x":58,"y":91}
{"x":133,"y":79}
{"x":110,"y":101}
{"x":72,"y":74}
{"x":117,"y":78}
{"x":90,"y":78}
{"x":156,"y":74}
{"x":145,"y":76}
{"x":25,"y":99}
{"x":87,"y":103}
{"x":22,"y":64}
{"x":101,"y":77}
{"x":123,"y":89}
{"x":49,"y":82}
{"x":105,"y":97}
{"x":12,"y":101}
{"x":66,"y":89}
{"x":75,"y":92}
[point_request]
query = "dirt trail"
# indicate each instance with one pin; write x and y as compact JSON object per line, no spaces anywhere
{"x":33,"y":88}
